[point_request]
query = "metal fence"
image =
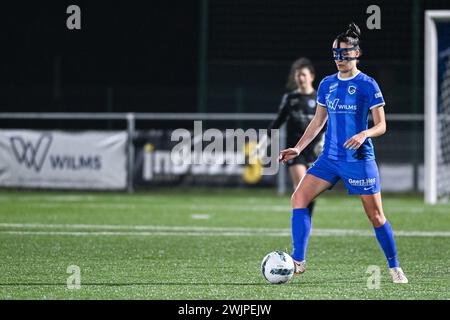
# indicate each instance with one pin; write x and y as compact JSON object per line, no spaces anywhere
{"x":402,"y":145}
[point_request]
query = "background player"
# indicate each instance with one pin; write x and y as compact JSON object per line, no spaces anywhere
{"x":345,"y":99}
{"x":297,"y":108}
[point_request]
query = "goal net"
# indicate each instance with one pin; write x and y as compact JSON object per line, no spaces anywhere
{"x":437,"y":106}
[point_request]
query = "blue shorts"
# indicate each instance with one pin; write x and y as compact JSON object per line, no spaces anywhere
{"x":359,"y":177}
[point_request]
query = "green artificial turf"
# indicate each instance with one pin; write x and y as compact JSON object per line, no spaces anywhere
{"x":208,"y":244}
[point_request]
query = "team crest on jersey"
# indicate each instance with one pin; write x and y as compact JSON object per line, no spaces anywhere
{"x":294,"y":102}
{"x":351,"y":89}
{"x":311,"y":103}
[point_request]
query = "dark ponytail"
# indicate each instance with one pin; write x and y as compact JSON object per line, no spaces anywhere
{"x":351,"y":36}
{"x":353,"y":31}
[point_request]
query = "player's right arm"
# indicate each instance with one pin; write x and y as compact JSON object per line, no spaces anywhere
{"x":313,"y":129}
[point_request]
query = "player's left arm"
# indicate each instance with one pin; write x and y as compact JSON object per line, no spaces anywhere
{"x":378,"y":129}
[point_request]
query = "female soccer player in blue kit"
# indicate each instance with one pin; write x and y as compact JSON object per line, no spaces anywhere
{"x":345,"y":100}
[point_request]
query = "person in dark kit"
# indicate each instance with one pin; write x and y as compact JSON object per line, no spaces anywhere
{"x":297,"y":108}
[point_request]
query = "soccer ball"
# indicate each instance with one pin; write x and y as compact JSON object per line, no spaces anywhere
{"x":277,"y":267}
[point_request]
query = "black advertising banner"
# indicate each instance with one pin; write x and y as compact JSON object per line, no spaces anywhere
{"x":154,"y":165}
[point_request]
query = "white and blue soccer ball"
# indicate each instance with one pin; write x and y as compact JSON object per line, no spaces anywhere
{"x":277,"y":267}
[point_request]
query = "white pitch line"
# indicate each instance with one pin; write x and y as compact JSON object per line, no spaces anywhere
{"x":133,"y":227}
{"x":243,"y":207}
{"x":141,"y":233}
{"x":192,"y":231}
{"x":320,"y":233}
{"x":200,"y":216}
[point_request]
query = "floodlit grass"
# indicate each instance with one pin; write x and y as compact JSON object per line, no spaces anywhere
{"x":208,"y":244}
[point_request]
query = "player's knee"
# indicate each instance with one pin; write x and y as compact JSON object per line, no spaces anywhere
{"x":377,"y":218}
{"x":298,"y":200}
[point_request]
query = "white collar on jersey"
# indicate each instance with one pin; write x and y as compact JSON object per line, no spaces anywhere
{"x":346,"y":79}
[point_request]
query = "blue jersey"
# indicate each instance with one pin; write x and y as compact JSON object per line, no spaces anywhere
{"x":348,"y":102}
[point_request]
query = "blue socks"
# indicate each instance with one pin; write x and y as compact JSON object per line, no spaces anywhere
{"x":301,"y":227}
{"x":385,"y":238}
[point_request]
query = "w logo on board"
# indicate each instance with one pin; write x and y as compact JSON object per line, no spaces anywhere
{"x":32,"y":155}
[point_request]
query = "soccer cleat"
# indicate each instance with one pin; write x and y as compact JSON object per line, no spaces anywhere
{"x":299,"y":267}
{"x":398,"y":276}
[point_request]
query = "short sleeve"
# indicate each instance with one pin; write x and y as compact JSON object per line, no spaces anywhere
{"x":321,"y":94}
{"x":375,"y":97}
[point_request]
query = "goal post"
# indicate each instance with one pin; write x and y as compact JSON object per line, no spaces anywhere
{"x":437,"y":105}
